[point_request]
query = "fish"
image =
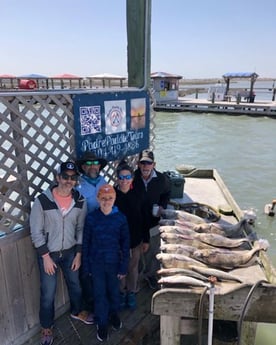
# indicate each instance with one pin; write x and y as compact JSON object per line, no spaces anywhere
{"x":220,"y":241}
{"x":181,"y":271}
{"x":177,"y":260}
{"x":177,"y":249}
{"x":179,"y":279}
{"x":176,"y":230}
{"x":183,"y":239}
{"x":229,"y":259}
{"x":219,"y":274}
{"x":177,"y":222}
{"x":209,"y":228}
{"x":181,"y":215}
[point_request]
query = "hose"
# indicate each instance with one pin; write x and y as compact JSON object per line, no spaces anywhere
{"x":244,"y":309}
{"x":200,"y":314}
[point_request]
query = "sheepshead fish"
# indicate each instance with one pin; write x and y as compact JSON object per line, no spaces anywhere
{"x":181,"y":215}
{"x":177,"y":260}
{"x":220,"y":275}
{"x":178,"y":279}
{"x":229,"y":259}
{"x":220,"y":241}
{"x":186,"y":240}
{"x":182,"y":272}
{"x":176,"y":230}
{"x":177,"y":249}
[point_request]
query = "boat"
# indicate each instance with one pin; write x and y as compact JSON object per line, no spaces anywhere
{"x":238,"y":306}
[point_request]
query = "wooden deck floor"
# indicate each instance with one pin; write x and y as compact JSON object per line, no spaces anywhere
{"x":139,"y":327}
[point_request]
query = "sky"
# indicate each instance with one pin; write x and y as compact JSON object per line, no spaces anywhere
{"x":195,"y":39}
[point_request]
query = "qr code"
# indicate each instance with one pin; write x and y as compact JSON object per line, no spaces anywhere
{"x":90,"y":120}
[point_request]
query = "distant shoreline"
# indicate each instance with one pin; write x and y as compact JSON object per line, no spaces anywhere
{"x":212,"y":80}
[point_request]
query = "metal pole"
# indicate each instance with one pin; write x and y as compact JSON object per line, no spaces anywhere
{"x":211,"y":309}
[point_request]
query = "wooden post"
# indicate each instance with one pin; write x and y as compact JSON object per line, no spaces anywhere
{"x":138,"y":37}
{"x":170,"y":330}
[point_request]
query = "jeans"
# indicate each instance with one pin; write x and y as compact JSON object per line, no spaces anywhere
{"x":48,"y":284}
{"x":152,"y":265}
{"x":130,"y":283}
{"x":106,"y":291}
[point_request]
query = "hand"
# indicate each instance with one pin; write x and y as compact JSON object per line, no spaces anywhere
{"x":121,"y":276}
{"x":160,"y":211}
{"x":76,"y":262}
{"x":145,"y":247}
{"x":49,"y":265}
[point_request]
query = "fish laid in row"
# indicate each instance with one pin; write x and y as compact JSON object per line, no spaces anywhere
{"x":182,"y":272}
{"x":229,"y":259}
{"x":177,"y":261}
{"x":183,"y":280}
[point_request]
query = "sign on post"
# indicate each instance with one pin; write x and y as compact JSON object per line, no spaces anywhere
{"x":112,"y":124}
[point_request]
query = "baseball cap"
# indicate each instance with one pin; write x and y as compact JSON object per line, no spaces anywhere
{"x":106,"y":189}
{"x":146,"y":155}
{"x":67,"y":166}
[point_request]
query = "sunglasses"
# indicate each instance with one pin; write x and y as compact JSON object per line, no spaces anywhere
{"x":146,"y":163}
{"x":67,"y":177}
{"x":92,"y":163}
{"x":125,"y":177}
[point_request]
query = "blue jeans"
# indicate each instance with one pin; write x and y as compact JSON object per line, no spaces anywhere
{"x":48,"y":284}
{"x":106,"y":291}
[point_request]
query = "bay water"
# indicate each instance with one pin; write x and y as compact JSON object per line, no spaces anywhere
{"x":242,"y":149}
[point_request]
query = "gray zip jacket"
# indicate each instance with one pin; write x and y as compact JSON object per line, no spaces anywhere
{"x":52,"y":231}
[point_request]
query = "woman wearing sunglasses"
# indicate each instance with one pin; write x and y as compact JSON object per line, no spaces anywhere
{"x":129,"y":202}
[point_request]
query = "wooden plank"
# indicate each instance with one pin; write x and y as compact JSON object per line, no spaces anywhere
{"x":6,"y":329}
{"x":15,"y":312}
{"x":30,"y":280}
{"x":169,"y":330}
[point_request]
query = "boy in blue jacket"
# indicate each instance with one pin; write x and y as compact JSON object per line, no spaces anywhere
{"x":105,"y":255}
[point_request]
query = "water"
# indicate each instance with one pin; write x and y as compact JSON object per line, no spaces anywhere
{"x":262,"y":88}
{"x":242,"y":149}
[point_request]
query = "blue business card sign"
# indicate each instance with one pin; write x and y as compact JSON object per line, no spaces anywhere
{"x":112,"y":125}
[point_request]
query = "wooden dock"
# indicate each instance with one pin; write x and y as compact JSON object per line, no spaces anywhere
{"x":259,"y":108}
{"x":181,"y":308}
{"x":139,"y":327}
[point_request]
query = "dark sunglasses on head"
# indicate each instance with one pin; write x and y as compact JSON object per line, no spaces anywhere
{"x":92,"y":163}
{"x":146,"y":163}
{"x":69,"y":177}
{"x":125,"y":177}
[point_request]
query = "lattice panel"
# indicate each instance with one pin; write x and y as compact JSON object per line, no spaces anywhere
{"x":36,"y":133}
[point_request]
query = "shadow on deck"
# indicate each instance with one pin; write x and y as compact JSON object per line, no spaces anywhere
{"x":139,"y":327}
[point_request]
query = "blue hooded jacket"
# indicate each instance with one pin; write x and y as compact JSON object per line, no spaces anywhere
{"x":105,"y":239}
